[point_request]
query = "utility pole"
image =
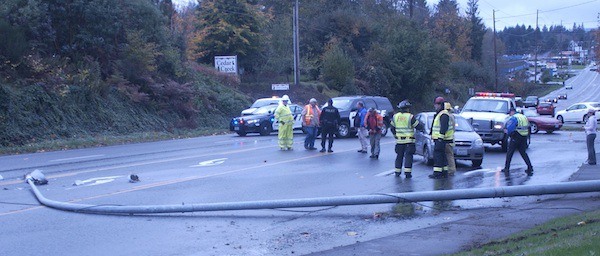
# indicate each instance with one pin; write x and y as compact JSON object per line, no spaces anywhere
{"x":536,"y":47}
{"x":495,"y":57}
{"x":296,"y":47}
{"x":410,"y":8}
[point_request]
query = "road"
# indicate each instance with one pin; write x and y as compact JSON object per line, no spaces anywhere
{"x":229,"y":168}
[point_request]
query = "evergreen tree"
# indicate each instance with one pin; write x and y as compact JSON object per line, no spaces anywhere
{"x":477,"y":30}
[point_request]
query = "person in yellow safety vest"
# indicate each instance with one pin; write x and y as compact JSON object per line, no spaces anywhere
{"x":441,"y":132}
{"x":403,"y":127}
{"x":310,"y":123}
{"x":449,"y":149}
{"x":517,"y":127}
{"x":284,"y":116}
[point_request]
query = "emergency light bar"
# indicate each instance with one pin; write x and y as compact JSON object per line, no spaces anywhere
{"x":495,"y":94}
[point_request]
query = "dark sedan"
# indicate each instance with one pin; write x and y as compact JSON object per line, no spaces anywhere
{"x":541,"y":123}
{"x":546,"y":108}
{"x":262,"y":121}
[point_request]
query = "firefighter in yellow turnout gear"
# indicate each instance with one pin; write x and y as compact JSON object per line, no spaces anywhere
{"x":403,"y":127}
{"x":441,"y":132}
{"x":449,"y":149}
{"x":284,"y":116}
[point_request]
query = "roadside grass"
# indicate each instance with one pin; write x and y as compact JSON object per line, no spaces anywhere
{"x":543,"y":89}
{"x":106,"y":140}
{"x":572,"y":235}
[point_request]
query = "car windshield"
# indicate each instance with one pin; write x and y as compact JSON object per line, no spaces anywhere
{"x":462,"y":124}
{"x":595,"y":105}
{"x":486,"y":105}
{"x":265,"y":110}
{"x":264,"y":102}
{"x":530,"y":113}
{"x":342,"y":104}
{"x":545,"y":104}
{"x":531,"y":98}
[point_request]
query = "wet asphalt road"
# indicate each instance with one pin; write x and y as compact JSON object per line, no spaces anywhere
{"x":229,"y":168}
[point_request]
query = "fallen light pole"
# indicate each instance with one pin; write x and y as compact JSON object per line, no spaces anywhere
{"x":439,"y":195}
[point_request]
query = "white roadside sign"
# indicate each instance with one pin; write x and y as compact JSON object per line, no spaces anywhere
{"x":280,"y":87}
{"x":226,"y":64}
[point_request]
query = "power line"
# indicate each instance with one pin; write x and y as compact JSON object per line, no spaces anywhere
{"x":551,"y":10}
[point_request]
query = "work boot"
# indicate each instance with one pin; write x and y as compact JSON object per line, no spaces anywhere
{"x":322,"y":150}
{"x":408,"y":175}
{"x":529,"y":171}
{"x":436,"y":175}
{"x":330,"y":151}
{"x":372,"y":156}
{"x":397,"y":174}
{"x":444,"y":174}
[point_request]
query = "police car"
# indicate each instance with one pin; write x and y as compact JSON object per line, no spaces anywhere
{"x":262,"y":121}
{"x":489,"y":113}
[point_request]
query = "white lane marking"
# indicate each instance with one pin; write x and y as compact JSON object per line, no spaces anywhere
{"x":385,"y":173}
{"x":75,"y":158}
{"x":470,"y":173}
{"x":210,"y":162}
{"x":95,"y":181}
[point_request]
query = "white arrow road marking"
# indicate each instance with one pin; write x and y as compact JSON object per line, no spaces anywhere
{"x":94,"y":181}
{"x":210,"y":162}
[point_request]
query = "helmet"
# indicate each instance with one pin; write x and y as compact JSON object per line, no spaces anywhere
{"x":439,"y":100}
{"x":447,"y":105}
{"x":285,"y":97}
{"x":404,"y":104}
{"x":371,"y":109}
{"x":312,"y":100}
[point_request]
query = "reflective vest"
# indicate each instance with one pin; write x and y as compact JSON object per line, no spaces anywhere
{"x":284,"y":114}
{"x":435,"y":131}
{"x":523,"y":125}
{"x":405,"y":132}
{"x":309,"y":114}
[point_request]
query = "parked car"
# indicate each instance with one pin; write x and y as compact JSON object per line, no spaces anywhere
{"x":577,"y":112}
{"x":262,"y":121}
{"x":546,"y":108}
{"x":531,"y":101}
{"x":569,"y":86}
{"x":347,"y":107}
{"x":261,"y":103}
{"x":468,"y":144}
{"x":541,"y":123}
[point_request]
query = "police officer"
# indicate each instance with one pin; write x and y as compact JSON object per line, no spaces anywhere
{"x":441,"y":132}
{"x":403,"y":127}
{"x":330,"y":119}
{"x":517,"y":127}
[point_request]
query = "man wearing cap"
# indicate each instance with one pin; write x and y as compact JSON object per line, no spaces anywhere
{"x":284,"y":116}
{"x":359,"y":123}
{"x":310,"y":123}
{"x":442,"y":131}
{"x":403,"y":127}
{"x":517,"y":127}
{"x":590,"y":131}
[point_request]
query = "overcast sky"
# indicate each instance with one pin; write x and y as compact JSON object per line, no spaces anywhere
{"x":509,"y":13}
{"x":551,"y":12}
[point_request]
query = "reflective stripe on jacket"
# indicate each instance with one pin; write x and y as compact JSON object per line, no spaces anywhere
{"x":405,"y":132}
{"x":522,"y":125}
{"x":435,"y":130}
{"x":311,"y":119}
{"x":284,"y":114}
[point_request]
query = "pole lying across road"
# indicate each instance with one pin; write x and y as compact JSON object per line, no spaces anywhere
{"x":439,"y":195}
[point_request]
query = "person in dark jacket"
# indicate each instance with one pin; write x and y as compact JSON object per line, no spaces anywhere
{"x":330,"y":119}
{"x":517,"y":128}
{"x":441,"y":132}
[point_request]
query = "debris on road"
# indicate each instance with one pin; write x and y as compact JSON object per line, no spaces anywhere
{"x":133,"y":178}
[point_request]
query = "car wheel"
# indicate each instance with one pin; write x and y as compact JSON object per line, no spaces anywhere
{"x":476,"y":162}
{"x":427,"y":159}
{"x":585,"y":118}
{"x":560,"y":119}
{"x":534,"y":128}
{"x":344,"y":130}
{"x":265,"y":129}
{"x":241,"y":134}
